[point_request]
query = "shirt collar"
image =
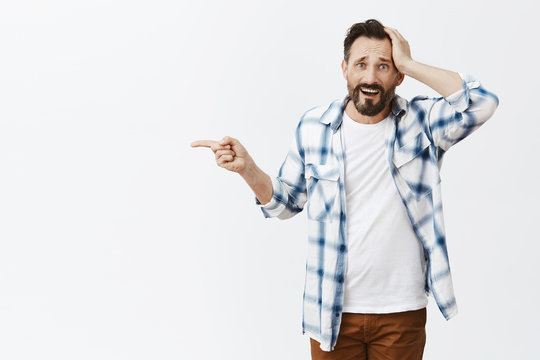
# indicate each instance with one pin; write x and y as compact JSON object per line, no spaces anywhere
{"x":333,"y":116}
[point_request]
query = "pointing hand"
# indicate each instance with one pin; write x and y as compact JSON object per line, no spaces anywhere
{"x":229,"y":152}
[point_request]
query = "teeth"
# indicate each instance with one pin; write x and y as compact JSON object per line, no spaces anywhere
{"x":371,"y":91}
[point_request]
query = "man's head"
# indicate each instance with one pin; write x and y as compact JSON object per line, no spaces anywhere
{"x":368,"y":67}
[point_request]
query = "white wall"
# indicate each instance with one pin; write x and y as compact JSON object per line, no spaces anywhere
{"x":118,"y":241}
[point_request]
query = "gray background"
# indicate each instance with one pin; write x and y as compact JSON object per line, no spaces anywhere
{"x":118,"y":241}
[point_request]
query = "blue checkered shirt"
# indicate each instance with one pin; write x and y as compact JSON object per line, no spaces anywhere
{"x":313,"y":172}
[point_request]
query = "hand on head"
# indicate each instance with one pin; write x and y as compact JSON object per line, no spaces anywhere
{"x":401,"y":51}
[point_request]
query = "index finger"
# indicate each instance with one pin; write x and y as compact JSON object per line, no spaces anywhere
{"x":211,"y":144}
{"x":204,"y":143}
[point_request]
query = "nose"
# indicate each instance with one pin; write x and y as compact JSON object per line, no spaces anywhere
{"x":370,"y":75}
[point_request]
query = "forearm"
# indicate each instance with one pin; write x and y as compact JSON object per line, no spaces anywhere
{"x":444,"y":82}
{"x":259,"y":182}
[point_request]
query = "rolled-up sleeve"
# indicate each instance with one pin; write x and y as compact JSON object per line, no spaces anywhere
{"x":276,"y":206}
{"x":455,"y":117}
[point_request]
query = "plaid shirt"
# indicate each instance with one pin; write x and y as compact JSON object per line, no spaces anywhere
{"x":313,"y":171}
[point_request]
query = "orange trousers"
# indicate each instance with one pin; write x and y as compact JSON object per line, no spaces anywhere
{"x":395,"y":336}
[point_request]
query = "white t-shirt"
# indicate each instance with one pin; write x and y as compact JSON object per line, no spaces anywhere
{"x":386,"y":263}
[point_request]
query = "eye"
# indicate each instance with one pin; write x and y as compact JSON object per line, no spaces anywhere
{"x":383,"y":66}
{"x":361,"y":65}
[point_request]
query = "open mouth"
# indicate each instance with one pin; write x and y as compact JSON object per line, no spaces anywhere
{"x":369,"y":92}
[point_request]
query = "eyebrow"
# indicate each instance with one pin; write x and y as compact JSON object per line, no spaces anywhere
{"x":380,"y":58}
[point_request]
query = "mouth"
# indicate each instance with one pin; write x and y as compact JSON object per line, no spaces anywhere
{"x":369,"y":92}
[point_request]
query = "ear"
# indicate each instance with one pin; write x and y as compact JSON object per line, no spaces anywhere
{"x":400,"y":78}
{"x":344,"y":69}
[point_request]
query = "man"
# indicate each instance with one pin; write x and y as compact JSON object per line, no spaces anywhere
{"x":368,"y":167}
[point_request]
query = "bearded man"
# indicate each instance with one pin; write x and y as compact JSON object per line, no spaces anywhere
{"x":367,"y":170}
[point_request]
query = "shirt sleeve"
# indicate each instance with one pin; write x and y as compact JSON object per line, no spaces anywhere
{"x":455,"y":117}
{"x":290,"y":185}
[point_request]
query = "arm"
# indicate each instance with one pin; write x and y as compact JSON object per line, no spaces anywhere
{"x":444,"y":82}
{"x":465,"y":105}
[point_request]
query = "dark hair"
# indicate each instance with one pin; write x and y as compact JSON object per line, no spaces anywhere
{"x":370,"y":28}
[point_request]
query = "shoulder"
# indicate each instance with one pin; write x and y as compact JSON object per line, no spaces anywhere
{"x":415,"y":117}
{"x":316,"y":113}
{"x":419,"y":107}
{"x":315,"y":122}
{"x":321,"y":116}
{"x":423,"y":101}
{"x":327,"y":113}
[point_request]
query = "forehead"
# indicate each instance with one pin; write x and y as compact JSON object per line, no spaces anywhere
{"x":364,"y":46}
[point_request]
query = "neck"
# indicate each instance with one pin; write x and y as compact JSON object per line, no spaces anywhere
{"x":351,"y":111}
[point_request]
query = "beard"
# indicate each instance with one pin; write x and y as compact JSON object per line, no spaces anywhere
{"x":369,"y":107}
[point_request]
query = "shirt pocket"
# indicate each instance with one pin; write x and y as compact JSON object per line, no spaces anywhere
{"x":412,"y":161}
{"x":322,"y":183}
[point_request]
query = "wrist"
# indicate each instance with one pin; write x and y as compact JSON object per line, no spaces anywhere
{"x":250,"y":171}
{"x":408,"y":67}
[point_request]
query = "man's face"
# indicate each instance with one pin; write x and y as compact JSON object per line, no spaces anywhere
{"x":371,"y":75}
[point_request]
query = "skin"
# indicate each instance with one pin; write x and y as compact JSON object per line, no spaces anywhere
{"x":232,"y":155}
{"x":370,"y":62}
{"x":394,"y":55}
